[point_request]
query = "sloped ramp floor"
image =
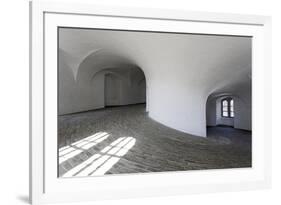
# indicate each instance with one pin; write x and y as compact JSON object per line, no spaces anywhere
{"x":125,"y":140}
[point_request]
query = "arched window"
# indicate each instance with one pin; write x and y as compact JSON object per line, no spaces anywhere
{"x":227,"y":107}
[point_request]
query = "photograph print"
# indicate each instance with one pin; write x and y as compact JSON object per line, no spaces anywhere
{"x":132,"y":102}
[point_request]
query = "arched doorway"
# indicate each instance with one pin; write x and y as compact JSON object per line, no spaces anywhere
{"x":123,"y":86}
{"x":220,"y":111}
{"x":112,"y":90}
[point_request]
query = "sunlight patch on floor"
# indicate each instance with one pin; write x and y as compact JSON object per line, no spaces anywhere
{"x":103,"y":161}
{"x":78,"y":147}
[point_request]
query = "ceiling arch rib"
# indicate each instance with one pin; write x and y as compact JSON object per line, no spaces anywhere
{"x":101,"y":60}
{"x":108,"y":71}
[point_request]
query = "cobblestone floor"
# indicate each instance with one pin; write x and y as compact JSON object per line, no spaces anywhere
{"x":125,"y":140}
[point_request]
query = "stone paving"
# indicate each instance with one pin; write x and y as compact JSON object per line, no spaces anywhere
{"x":125,"y":140}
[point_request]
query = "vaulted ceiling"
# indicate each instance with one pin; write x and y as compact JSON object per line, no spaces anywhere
{"x":181,"y":70}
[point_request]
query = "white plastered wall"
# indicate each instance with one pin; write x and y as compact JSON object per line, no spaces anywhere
{"x":181,"y":71}
{"x":242,"y":110}
{"x":109,"y":87}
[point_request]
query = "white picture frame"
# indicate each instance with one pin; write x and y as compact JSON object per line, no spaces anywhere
{"x":45,"y":187}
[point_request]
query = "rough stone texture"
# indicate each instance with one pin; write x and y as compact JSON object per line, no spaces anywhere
{"x":157,"y":148}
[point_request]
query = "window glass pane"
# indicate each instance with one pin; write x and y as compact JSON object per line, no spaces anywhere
{"x":231,"y":109}
{"x":225,"y":114}
{"x":224,"y":108}
{"x":231,"y":102}
{"x":231,"y":114}
{"x":224,"y":103}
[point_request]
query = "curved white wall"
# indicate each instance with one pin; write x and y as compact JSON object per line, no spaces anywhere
{"x":243,"y":107}
{"x":181,"y":70}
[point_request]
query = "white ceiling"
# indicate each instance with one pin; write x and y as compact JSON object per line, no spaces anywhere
{"x":216,"y":64}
